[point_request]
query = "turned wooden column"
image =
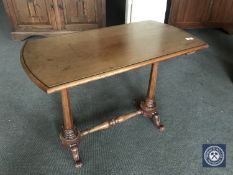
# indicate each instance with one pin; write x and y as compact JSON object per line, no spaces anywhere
{"x":149,"y":106}
{"x":68,"y":119}
{"x":70,"y":136}
{"x":152,"y":82}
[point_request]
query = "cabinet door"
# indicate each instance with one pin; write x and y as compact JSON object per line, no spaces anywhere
{"x":82,"y":14}
{"x":221,"y":12}
{"x":32,"y":15}
{"x":188,"y":13}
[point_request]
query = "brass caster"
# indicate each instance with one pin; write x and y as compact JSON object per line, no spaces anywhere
{"x":156,"y":121}
{"x":78,"y":164}
{"x":161,"y":128}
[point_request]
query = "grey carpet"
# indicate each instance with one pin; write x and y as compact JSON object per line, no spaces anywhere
{"x":194,"y":98}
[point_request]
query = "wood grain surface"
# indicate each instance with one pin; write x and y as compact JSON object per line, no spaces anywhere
{"x":65,"y":61}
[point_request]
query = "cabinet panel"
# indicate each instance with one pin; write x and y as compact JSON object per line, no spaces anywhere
{"x":202,"y":13}
{"x":53,"y":17}
{"x":221,"y":11}
{"x":188,"y":12}
{"x":32,"y":14}
{"x":81,"y":14}
{"x":79,"y":11}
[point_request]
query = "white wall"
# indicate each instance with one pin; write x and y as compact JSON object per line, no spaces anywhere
{"x":139,"y":10}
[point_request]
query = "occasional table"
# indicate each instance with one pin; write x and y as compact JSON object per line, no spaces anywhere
{"x":56,"y":64}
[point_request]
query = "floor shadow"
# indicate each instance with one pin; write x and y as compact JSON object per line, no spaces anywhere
{"x":228,"y":68}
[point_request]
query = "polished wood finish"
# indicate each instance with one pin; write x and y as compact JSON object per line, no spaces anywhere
{"x":44,"y":17}
{"x":68,"y":120}
{"x":73,"y":59}
{"x":58,"y":63}
{"x":113,"y":122}
{"x":201,"y":13}
{"x":153,"y":79}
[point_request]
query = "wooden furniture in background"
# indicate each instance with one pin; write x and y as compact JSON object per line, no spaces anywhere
{"x":49,"y":17}
{"x":202,"y":13}
{"x":91,"y":55}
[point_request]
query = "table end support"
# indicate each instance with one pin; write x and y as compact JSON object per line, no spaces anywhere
{"x":149,"y":106}
{"x":70,"y":136}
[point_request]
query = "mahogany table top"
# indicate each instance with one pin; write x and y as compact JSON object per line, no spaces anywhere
{"x":65,"y":61}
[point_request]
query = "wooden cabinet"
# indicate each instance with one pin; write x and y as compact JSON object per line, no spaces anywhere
{"x":188,"y":13}
{"x":201,"y":13}
{"x":49,"y":17}
{"x":221,"y":12}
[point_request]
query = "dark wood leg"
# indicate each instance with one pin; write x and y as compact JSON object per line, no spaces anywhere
{"x":148,"y":106}
{"x":70,"y":137}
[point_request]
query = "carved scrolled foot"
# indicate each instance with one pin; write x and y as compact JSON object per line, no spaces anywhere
{"x":70,"y":139}
{"x":156,"y":121}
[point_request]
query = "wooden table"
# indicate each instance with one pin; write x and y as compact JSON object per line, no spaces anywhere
{"x":59,"y":63}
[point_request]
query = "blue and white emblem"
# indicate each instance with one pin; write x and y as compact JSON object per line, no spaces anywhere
{"x":214,"y":155}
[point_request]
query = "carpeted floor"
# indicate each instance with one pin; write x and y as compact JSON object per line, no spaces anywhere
{"x":194,"y":98}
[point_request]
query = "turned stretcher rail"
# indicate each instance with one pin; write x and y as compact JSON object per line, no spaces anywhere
{"x":111,"y":123}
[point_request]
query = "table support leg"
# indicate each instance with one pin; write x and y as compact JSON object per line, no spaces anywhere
{"x":70,"y":137}
{"x":149,"y":106}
